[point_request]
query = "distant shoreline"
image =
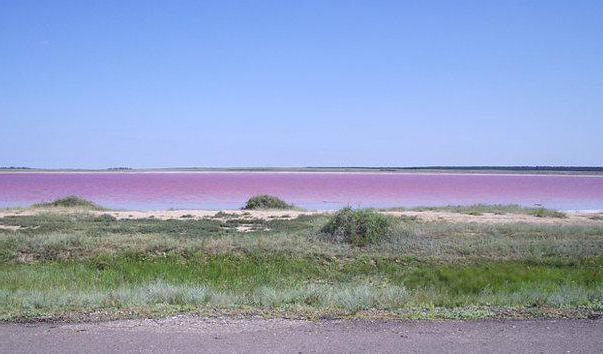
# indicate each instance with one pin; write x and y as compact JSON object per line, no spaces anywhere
{"x":485,"y":171}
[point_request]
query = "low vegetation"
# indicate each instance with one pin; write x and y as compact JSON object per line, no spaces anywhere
{"x":266,"y":201}
{"x":357,"y":227}
{"x":71,"y":201}
{"x":547,"y":213}
{"x":498,"y":209}
{"x":296,"y":284}
{"x":61,"y":263}
{"x":53,"y":236}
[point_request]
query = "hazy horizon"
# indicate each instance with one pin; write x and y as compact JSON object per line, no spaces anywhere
{"x":293,"y":168}
{"x":272,"y":84}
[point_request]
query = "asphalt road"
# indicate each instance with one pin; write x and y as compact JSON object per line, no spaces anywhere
{"x":227,"y":335}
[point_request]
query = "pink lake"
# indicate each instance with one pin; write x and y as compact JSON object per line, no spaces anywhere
{"x":217,"y":190}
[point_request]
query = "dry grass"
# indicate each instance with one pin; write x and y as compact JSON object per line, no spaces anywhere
{"x":83,"y":261}
{"x":497,"y":209}
{"x":52,"y":236}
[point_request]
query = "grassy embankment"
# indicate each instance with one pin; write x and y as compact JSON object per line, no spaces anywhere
{"x":60,"y":264}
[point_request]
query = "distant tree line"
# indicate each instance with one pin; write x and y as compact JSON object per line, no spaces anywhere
{"x":479,"y":168}
{"x":512,"y":168}
{"x":443,"y":168}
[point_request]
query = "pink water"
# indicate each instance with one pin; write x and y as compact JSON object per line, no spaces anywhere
{"x":213,"y":190}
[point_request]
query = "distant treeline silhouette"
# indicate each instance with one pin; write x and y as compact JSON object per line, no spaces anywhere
{"x":482,"y":168}
{"x":515,"y":168}
{"x":441,"y":168}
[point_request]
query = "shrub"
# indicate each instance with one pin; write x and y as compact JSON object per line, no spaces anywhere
{"x":357,"y":227}
{"x":547,"y":213}
{"x":71,"y":201}
{"x":105,"y":218}
{"x":266,"y":202}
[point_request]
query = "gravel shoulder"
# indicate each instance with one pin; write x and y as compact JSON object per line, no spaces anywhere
{"x":254,"y":335}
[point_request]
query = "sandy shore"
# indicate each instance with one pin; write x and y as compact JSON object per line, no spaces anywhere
{"x":427,"y":216}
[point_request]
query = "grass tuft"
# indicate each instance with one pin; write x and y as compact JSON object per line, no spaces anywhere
{"x":105,"y":218}
{"x":71,"y":201}
{"x":547,"y":213}
{"x":358,"y":227}
{"x":266,"y":201}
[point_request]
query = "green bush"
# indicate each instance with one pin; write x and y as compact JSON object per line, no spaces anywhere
{"x":266,"y":201}
{"x":105,"y":218}
{"x":358,"y":227}
{"x":71,"y":201}
{"x":547,"y":213}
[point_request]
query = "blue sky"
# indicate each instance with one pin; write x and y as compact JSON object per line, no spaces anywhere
{"x":300,"y":83}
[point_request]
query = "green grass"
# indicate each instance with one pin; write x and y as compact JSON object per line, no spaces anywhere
{"x":266,"y":201}
{"x":59,"y":263}
{"x":499,"y":209}
{"x":285,"y":281}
